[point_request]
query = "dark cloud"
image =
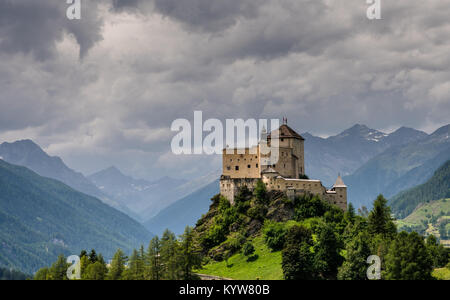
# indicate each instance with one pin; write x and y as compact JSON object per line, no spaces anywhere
{"x":145,"y":63}
{"x":30,"y":26}
{"x":209,"y":15}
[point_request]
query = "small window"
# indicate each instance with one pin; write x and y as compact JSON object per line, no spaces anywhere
{"x":228,"y":168}
{"x":237,"y":168}
{"x":249,"y":166}
{"x":257,"y":165}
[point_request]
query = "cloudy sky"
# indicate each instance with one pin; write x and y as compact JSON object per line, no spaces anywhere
{"x":105,"y":89}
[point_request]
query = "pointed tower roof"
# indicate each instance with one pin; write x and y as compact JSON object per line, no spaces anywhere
{"x":287,"y":132}
{"x":339,"y":182}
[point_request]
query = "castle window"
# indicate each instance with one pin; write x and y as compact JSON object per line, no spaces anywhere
{"x":249,"y":166}
{"x":237,"y":168}
{"x":228,"y":168}
{"x":282,"y":140}
{"x":257,"y":166}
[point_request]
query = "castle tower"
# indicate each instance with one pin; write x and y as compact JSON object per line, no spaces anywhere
{"x":291,"y":162}
{"x":341,"y":193}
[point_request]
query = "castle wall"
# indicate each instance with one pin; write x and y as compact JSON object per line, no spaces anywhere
{"x":229,"y":187}
{"x":241,"y":165}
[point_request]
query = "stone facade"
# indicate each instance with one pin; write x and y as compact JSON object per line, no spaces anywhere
{"x":247,"y":166}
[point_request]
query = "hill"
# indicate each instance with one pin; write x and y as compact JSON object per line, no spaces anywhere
{"x":399,"y":167}
{"x":429,"y":218}
{"x":41,"y":218}
{"x":184,"y":212}
{"x":437,"y":187}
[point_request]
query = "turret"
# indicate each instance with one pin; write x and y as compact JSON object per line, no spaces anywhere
{"x":341,"y":193}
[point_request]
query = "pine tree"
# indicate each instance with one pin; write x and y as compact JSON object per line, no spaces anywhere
{"x":297,"y":258}
{"x":132,"y":272}
{"x":42,"y":274}
{"x":408,"y":259}
{"x":117,"y":266}
{"x":96,"y":271}
{"x":327,"y":258}
{"x":58,"y":271}
{"x":437,"y":252}
{"x":169,"y":256}
{"x":153,"y":260}
{"x":379,"y":220}
{"x":93,"y":256}
{"x":189,"y":256}
{"x":84,"y":264}
{"x":350,"y":214}
{"x":355,"y":266}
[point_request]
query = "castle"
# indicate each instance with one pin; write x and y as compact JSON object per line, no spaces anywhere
{"x":244,"y":167}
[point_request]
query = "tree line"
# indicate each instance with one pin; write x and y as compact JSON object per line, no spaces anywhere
{"x":166,"y":258}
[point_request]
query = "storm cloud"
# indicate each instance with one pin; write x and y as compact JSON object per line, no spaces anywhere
{"x":104,"y":90}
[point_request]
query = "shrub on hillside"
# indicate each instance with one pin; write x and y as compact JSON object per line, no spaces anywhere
{"x":274,"y":235}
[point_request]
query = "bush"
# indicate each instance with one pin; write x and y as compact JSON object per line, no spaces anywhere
{"x":258,"y":212}
{"x":274,"y":235}
{"x":260,"y":192}
{"x":248,"y":249}
{"x":310,"y":206}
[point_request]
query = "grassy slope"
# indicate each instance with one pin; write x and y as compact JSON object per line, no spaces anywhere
{"x":438,"y":187}
{"x":428,"y":209}
{"x":442,"y":274}
{"x":266,"y":267}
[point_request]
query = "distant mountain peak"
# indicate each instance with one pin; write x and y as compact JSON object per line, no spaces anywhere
{"x":444,"y":130}
{"x":363,"y":132}
{"x":113,"y":170}
{"x":27,"y":144}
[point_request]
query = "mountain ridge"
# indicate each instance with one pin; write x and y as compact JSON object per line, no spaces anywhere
{"x":42,"y":217}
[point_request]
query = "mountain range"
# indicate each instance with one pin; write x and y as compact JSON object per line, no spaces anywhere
{"x":41,"y":218}
{"x":28,"y":154}
{"x":344,"y":153}
{"x":144,"y":198}
{"x":137,"y":195}
{"x":436,"y":188}
{"x":399,"y":167}
{"x":373,"y":161}
{"x":184,"y":212}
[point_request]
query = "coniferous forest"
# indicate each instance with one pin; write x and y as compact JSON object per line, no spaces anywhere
{"x":317,"y":241}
